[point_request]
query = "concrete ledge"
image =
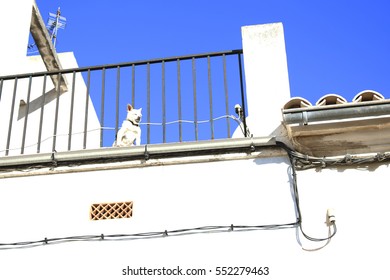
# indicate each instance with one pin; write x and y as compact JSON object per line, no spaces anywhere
{"x":141,"y":152}
{"x":45,"y":46}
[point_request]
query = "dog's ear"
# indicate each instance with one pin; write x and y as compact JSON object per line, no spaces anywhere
{"x":129,"y":107}
{"x":140,"y":110}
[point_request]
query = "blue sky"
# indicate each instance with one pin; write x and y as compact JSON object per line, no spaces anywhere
{"x":338,"y":47}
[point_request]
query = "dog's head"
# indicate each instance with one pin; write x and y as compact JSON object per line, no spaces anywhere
{"x":134,"y":115}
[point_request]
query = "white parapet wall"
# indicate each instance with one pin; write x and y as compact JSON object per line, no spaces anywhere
{"x":169,"y":197}
{"x":266,"y":76}
{"x":15,"y":17}
{"x":190,"y":199}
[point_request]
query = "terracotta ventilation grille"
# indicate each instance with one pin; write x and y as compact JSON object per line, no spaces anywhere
{"x":117,"y":210}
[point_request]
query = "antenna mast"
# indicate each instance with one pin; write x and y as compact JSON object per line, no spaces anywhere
{"x":55,"y":22}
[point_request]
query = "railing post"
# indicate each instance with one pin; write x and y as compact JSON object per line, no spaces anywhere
{"x":41,"y":115}
{"x":58,"y":92}
{"x":26,"y":116}
{"x":148,"y":101}
{"x":242,"y":95}
{"x":226,"y":94}
{"x":210,"y":98}
{"x":179,"y":100}
{"x":11,"y":117}
{"x":133,"y":85}
{"x":86,"y":110}
{"x":194,"y":93}
{"x":1,"y":87}
{"x":118,"y":80}
{"x":71,"y":112}
{"x":102,"y":106}
{"x":163,"y":100}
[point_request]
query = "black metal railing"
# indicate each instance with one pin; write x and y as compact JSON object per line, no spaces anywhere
{"x":184,"y":98}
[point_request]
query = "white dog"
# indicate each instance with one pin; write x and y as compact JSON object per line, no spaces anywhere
{"x":130,"y":132}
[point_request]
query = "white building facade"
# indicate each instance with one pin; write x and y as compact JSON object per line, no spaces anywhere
{"x":254,"y":207}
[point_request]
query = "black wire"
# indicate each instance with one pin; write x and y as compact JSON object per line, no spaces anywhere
{"x":292,"y":155}
{"x":321,"y":239}
{"x":240,"y":125}
{"x":118,"y":237}
{"x":304,"y":162}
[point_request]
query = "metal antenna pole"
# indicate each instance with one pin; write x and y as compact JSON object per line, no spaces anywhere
{"x":55,"y":22}
{"x":56,"y":26}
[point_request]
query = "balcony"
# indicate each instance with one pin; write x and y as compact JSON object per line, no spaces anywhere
{"x":186,"y":98}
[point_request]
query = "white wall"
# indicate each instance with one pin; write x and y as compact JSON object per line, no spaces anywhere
{"x":241,"y":192}
{"x":35,"y":64}
{"x":15,"y":21}
{"x":359,"y":196}
{"x":165,"y":198}
{"x":15,"y":17}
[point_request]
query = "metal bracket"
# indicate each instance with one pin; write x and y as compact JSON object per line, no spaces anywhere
{"x":54,"y":161}
{"x":252,"y":146}
{"x":146,"y":153}
{"x":305,"y":118}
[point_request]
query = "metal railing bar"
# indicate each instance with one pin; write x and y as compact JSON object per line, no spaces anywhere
{"x":102,"y":105}
{"x":11,"y":117}
{"x":125,"y":64}
{"x":179,"y":100}
{"x":225,"y":83}
{"x":1,"y":87}
{"x":133,"y":85}
{"x":210,"y":98}
{"x":118,"y":80}
{"x":148,"y":101}
{"x":86,"y":110}
{"x":163,"y":100}
{"x":26,"y":116}
{"x":242,"y":95}
{"x":194,"y":93}
{"x":56,"y":114}
{"x":71,"y":112}
{"x":41,"y":115}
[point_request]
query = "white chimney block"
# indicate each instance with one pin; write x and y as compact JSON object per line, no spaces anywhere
{"x":266,"y":75}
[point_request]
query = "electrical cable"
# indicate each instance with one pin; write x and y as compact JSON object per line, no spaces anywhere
{"x":321,"y":247}
{"x":293,"y":158}
{"x":304,"y":162}
{"x":204,"y":121}
{"x":123,"y":237}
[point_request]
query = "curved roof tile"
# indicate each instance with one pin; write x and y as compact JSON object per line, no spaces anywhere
{"x":367,"y":95}
{"x":297,"y":102}
{"x":333,"y":99}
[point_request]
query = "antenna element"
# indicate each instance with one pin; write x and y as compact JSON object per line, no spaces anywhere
{"x":55,"y":22}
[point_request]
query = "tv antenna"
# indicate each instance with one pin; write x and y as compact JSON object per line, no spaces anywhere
{"x":55,"y":22}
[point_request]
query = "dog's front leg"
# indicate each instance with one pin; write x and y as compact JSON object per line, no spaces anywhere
{"x":137,"y":141}
{"x":119,"y":137}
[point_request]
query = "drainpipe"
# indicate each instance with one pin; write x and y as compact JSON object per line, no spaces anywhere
{"x":304,"y":116}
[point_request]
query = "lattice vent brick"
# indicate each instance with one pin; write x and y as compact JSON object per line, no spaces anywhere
{"x":116,"y":210}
